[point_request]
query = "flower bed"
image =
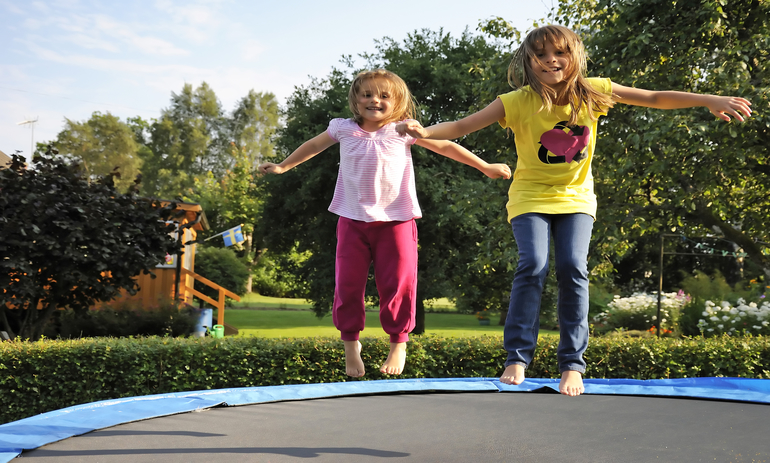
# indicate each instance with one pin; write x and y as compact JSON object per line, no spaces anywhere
{"x":743,"y":318}
{"x":640,"y":312}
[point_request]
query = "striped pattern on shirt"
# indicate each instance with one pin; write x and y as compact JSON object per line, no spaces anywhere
{"x":376,"y":178}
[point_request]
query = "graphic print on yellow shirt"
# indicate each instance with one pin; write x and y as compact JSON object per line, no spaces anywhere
{"x":566,"y":146}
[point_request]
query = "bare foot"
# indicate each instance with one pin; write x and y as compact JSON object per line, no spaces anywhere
{"x":513,"y":374}
{"x":354,"y":366}
{"x":571,"y":383}
{"x":394,"y":364}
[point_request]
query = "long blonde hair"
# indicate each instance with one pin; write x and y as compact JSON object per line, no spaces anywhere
{"x":577,"y":90}
{"x":404,"y":106}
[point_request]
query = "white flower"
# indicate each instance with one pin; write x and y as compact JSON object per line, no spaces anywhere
{"x":720,"y":326}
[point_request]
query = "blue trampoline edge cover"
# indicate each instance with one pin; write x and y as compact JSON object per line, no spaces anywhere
{"x":36,"y":431}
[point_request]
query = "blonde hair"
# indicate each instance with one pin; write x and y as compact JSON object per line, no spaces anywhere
{"x":577,"y":90}
{"x":404,"y":106}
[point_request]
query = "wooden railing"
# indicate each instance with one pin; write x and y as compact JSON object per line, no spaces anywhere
{"x":220,"y":304}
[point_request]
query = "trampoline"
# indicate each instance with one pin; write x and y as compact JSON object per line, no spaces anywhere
{"x":425,"y":420}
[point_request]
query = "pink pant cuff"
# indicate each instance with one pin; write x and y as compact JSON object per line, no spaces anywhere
{"x":350,"y":335}
{"x":401,"y":337}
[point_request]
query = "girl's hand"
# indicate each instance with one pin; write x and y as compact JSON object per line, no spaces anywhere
{"x":724,"y":106}
{"x":497,"y":171}
{"x":411,"y":127}
{"x":270,"y":168}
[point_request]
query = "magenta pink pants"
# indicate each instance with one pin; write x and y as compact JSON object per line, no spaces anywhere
{"x":392,"y":246}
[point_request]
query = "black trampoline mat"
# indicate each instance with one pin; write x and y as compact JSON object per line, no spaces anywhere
{"x":438,"y":427}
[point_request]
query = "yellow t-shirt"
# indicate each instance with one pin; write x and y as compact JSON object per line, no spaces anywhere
{"x":553,"y":173}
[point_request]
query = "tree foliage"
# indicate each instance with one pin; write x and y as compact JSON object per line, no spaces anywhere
{"x":69,"y":241}
{"x":681,"y":171}
{"x":182,"y":142}
{"x":231,"y":200}
{"x":234,"y":197}
{"x":222,"y":266}
{"x":102,"y":144}
{"x":194,"y":136}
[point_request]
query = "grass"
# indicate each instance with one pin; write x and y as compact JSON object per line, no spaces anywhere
{"x":264,"y":318}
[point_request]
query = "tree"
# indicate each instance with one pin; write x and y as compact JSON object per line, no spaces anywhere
{"x":681,"y":171}
{"x":224,"y":267}
{"x":102,"y":144}
{"x":69,"y":240}
{"x":183,"y":143}
{"x":252,"y":126}
{"x":232,"y":200}
{"x":459,"y":204}
{"x":235,"y":197}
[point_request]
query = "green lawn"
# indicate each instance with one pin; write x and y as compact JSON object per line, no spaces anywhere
{"x":254,"y":300}
{"x":303,"y":323}
{"x":264,"y":317}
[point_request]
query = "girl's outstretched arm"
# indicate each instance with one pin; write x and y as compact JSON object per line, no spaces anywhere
{"x":460,"y":154}
{"x":455,"y":129}
{"x":306,"y":151}
{"x":721,"y":106}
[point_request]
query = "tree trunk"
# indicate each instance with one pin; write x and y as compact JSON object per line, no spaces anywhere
{"x":249,"y":261}
{"x":419,"y":325}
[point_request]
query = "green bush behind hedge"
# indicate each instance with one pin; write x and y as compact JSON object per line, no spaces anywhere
{"x":37,"y":377}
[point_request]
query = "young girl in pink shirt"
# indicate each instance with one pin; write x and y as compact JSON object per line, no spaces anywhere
{"x":376,"y":201}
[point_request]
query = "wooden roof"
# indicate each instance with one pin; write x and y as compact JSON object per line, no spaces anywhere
{"x":4,"y":160}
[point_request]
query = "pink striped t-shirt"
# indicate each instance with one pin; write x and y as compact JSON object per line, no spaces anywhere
{"x":376,"y":178}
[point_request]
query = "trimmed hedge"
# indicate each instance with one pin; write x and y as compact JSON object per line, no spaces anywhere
{"x":37,"y":377}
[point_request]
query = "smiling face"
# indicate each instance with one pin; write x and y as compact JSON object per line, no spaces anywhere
{"x":374,"y":103}
{"x":551,"y":65}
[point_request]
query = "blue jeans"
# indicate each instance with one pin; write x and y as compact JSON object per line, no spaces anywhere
{"x":571,"y":236}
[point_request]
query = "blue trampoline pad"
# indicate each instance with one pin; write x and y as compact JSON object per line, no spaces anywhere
{"x":708,"y":419}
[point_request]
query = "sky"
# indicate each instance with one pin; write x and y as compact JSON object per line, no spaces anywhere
{"x":69,"y":58}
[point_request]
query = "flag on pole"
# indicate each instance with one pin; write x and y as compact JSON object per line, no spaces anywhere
{"x":233,"y":236}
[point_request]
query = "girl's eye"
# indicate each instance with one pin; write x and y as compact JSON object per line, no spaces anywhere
{"x":385,"y":95}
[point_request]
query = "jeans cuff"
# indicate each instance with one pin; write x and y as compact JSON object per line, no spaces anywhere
{"x":514,"y":362}
{"x":577,"y":368}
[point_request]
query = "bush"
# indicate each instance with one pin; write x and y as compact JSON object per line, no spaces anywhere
{"x":276,"y":276}
{"x":598,"y":299}
{"x":704,"y":288}
{"x":223,"y":267}
{"x":639,"y":312}
{"x":742,"y":319}
{"x":47,"y":375}
{"x":123,"y":319}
